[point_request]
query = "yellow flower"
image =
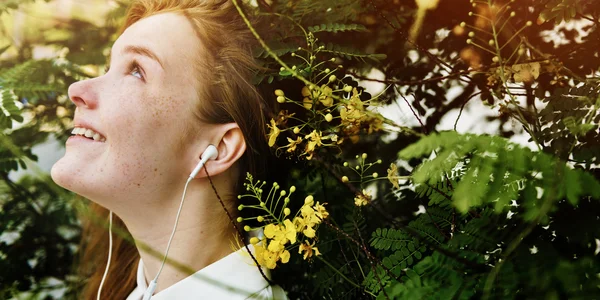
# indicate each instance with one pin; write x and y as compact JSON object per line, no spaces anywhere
{"x":315,"y":140}
{"x":393,"y":175}
{"x":270,"y":259}
{"x":325,"y":96}
{"x":305,"y":226}
{"x":271,"y":230}
{"x":273,"y":133}
{"x":305,"y":91}
{"x":309,"y":232}
{"x":362,"y":199}
{"x":285,"y":256}
{"x":290,"y":231}
{"x":307,"y":101}
{"x":320,"y":211}
{"x":308,"y":213}
{"x":275,"y":246}
{"x":309,"y":249}
{"x":526,"y":72}
{"x":293,"y":143}
{"x":259,"y":254}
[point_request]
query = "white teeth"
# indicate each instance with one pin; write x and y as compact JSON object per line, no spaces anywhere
{"x":88,"y":133}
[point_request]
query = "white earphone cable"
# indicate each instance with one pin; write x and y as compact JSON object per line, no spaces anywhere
{"x":152,"y":285}
{"x":110,"y":244}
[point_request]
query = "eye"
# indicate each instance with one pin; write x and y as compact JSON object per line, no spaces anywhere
{"x":135,"y":70}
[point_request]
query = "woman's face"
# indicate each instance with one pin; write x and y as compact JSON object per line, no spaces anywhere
{"x":139,"y":108}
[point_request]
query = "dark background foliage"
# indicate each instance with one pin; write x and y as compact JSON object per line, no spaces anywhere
{"x":546,"y":251}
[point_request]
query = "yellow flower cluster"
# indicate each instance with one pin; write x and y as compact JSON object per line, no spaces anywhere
{"x":363,"y":198}
{"x":323,"y":95}
{"x":353,"y":115}
{"x":277,"y":236}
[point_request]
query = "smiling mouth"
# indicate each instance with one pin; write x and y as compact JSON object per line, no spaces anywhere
{"x":88,"y":133}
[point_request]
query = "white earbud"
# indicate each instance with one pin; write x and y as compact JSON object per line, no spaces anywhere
{"x":210,"y":153}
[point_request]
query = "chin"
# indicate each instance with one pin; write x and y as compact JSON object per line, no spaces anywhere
{"x":70,"y":178}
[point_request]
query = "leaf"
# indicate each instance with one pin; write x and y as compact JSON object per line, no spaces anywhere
{"x":337,"y":27}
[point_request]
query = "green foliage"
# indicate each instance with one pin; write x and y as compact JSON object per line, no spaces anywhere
{"x":480,"y":218}
{"x":497,"y":172}
{"x":561,"y":10}
{"x":336,"y":27}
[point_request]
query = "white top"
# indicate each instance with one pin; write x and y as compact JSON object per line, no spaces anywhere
{"x":233,"y":277}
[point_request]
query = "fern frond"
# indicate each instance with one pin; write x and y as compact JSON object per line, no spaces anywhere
{"x":351,"y":54}
{"x":494,"y":168}
{"x":337,"y":27}
{"x":390,"y":239}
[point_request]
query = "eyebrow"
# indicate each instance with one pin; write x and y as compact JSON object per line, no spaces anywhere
{"x":141,"y":50}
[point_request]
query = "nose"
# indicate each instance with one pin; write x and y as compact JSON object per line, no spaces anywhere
{"x":83,"y":94}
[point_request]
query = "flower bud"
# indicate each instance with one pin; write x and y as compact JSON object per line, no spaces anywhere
{"x":375,"y":175}
{"x":286,"y":211}
{"x":241,"y":207}
{"x":308,"y":199}
{"x":364,"y":156}
{"x":345,"y":179}
{"x":296,"y":130}
{"x":260,"y":218}
{"x":292,"y":189}
{"x":280,"y":99}
{"x":328,"y":117}
{"x":279,"y":93}
{"x":282,"y":193}
{"x":254,"y":240}
{"x":332,"y":78}
{"x":239,"y":219}
{"x":246,"y":228}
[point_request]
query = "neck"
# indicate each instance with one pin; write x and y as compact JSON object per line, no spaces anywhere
{"x":204,"y":233}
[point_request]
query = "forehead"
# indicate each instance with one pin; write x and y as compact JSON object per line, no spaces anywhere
{"x":169,"y":36}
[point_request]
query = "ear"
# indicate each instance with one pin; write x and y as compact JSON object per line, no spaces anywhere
{"x":230,"y":143}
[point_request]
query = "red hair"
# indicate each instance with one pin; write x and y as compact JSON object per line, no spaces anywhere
{"x":224,"y":73}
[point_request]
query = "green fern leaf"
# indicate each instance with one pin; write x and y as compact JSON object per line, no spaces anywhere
{"x":336,"y":27}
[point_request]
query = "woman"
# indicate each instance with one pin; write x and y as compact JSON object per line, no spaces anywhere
{"x":178,"y":81}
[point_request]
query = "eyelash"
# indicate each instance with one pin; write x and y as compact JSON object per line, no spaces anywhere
{"x":133,"y":66}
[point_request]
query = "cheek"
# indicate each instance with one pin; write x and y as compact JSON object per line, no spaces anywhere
{"x":148,"y":146}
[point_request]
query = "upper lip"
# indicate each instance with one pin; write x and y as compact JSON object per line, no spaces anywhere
{"x":84,"y":124}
